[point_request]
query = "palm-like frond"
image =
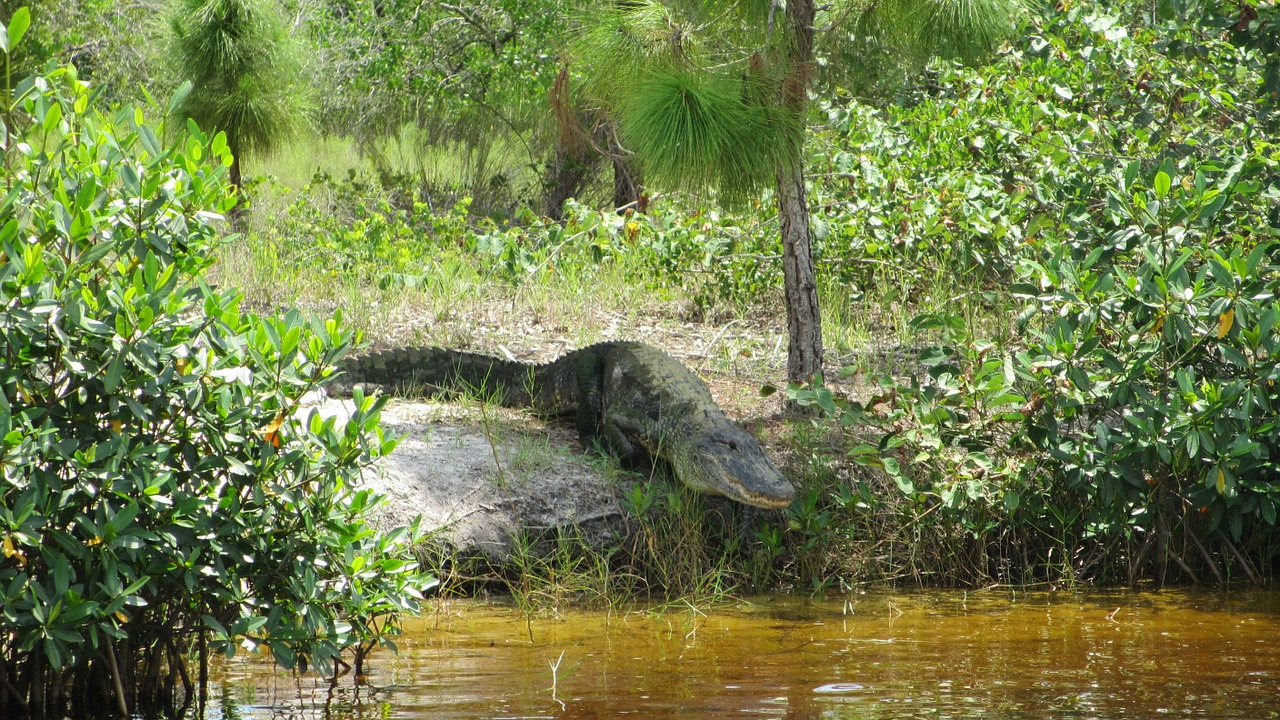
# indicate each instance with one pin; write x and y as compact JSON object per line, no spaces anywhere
{"x":967,"y":29}
{"x":907,"y":32}
{"x":694,"y":129}
{"x":624,"y":42}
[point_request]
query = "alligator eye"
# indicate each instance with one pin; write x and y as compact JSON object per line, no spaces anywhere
{"x":732,"y":445}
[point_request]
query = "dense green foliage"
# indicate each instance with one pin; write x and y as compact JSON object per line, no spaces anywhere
{"x":447,"y":98}
{"x":118,"y":47}
{"x":1079,"y":240}
{"x":162,"y":487}
{"x":1119,"y":179}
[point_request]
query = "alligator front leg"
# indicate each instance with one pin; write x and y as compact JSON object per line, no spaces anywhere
{"x":590,"y":380}
{"x":625,"y":433}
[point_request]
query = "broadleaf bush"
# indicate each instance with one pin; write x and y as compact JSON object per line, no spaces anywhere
{"x":1110,"y":179}
{"x":163,"y":489}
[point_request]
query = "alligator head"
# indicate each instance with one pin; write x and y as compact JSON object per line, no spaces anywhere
{"x":723,"y":459}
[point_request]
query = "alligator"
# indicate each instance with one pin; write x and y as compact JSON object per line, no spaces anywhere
{"x":633,"y":399}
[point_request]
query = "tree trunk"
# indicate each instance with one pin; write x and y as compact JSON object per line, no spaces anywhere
{"x":804,"y":321}
{"x":233,"y":173}
{"x":626,"y":176}
{"x":238,"y":214}
{"x":566,"y":175}
{"x":626,"y":185}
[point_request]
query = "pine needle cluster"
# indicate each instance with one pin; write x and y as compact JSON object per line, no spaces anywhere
{"x":692,"y":99}
{"x":917,"y":30}
{"x":694,"y":130}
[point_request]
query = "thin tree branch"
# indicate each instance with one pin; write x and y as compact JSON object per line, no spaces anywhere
{"x":122,"y":703}
{"x":494,"y":43}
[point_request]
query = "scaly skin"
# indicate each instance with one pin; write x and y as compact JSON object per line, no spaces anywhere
{"x":634,"y":398}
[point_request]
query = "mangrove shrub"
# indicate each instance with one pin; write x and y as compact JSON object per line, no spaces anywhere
{"x":1097,"y":399}
{"x":163,"y":492}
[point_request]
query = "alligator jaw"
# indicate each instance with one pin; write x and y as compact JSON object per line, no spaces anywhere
{"x":773,"y":493}
{"x":768,"y":502}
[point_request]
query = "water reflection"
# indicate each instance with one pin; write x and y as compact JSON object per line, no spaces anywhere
{"x":878,"y":656}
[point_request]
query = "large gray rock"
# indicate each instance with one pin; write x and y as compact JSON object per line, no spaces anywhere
{"x":479,"y":497}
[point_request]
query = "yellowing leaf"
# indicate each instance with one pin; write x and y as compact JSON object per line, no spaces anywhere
{"x":182,"y":365}
{"x":116,"y":426}
{"x":94,"y":541}
{"x":1222,"y":481}
{"x":1225,"y":321}
{"x":11,"y":551}
{"x":271,"y":433}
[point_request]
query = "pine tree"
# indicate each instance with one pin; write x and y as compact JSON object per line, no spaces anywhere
{"x":244,"y":73}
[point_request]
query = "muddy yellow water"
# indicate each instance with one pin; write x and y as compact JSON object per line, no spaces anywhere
{"x":994,"y":654}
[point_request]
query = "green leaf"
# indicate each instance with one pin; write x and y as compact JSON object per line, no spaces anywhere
{"x":90,"y":255}
{"x":52,"y":117}
{"x":196,"y":132}
{"x":1221,"y":272}
{"x":1131,"y":172}
{"x":891,"y":466}
{"x":1161,"y":185}
{"x":1255,"y":257}
{"x":1267,"y":321}
{"x":150,"y":142}
{"x":826,"y":401}
{"x":86,"y":194}
{"x":12,"y":35}
{"x":175,"y":103}
{"x":114,"y":370}
{"x":219,"y":145}
{"x":132,"y":182}
{"x":1012,"y":499}
{"x":136,"y":585}
{"x":53,"y":653}
{"x":18,"y":25}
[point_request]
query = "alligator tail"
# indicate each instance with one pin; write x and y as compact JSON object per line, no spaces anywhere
{"x":437,"y":372}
